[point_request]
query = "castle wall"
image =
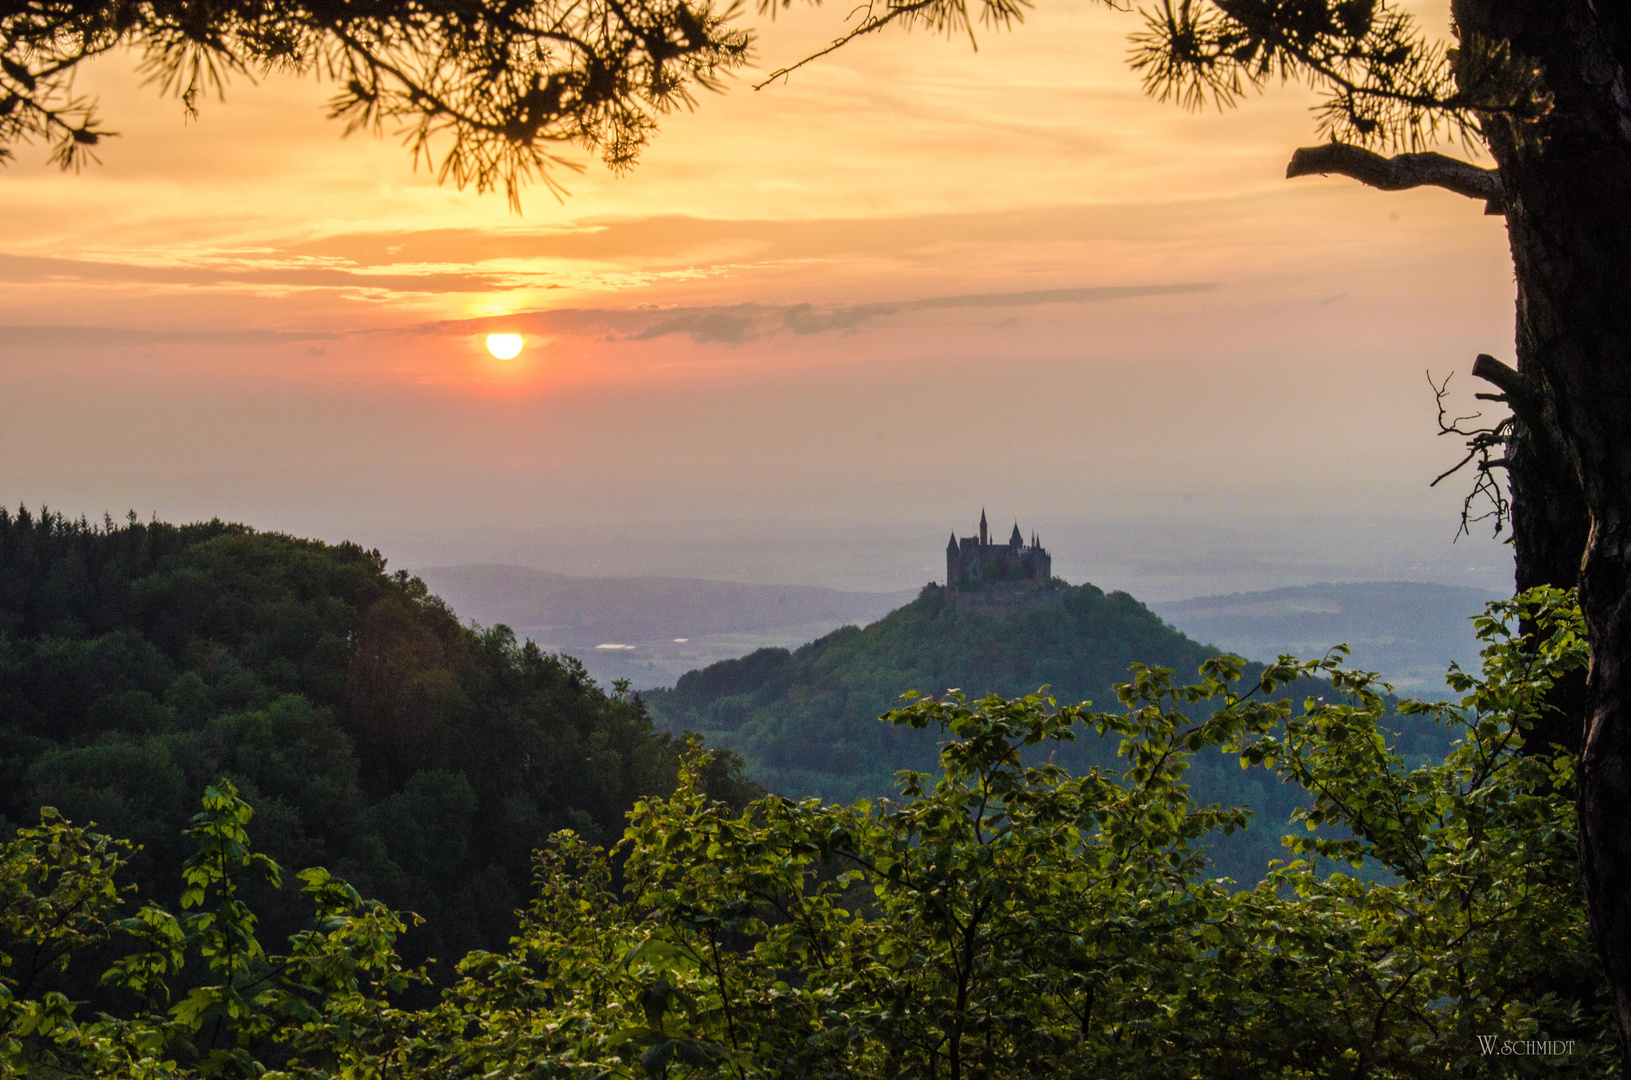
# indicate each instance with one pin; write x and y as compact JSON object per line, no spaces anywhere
{"x":999,"y":564}
{"x":1004,"y":598}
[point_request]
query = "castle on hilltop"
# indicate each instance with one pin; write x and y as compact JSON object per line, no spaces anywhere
{"x":979,"y":570}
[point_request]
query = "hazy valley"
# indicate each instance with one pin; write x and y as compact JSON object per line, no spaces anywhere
{"x":650,"y":630}
{"x":1410,"y":631}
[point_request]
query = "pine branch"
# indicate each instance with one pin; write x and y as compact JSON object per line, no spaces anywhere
{"x":1401,"y":171}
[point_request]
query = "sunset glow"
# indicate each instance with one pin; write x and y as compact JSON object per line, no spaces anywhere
{"x":733,"y":332}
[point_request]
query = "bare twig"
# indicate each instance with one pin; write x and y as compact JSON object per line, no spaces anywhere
{"x":871,"y":22}
{"x":1481,"y":443}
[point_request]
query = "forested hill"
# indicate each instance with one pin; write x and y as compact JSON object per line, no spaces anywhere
{"x":807,"y":721}
{"x":372,"y":732}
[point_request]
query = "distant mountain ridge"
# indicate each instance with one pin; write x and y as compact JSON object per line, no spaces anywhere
{"x":1407,"y":630}
{"x":642,"y":606}
{"x":716,"y":619}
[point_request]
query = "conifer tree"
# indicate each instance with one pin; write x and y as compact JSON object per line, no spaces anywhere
{"x":488,"y":93}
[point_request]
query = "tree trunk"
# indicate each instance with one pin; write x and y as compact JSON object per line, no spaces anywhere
{"x":1567,"y":184}
{"x":1549,"y":531}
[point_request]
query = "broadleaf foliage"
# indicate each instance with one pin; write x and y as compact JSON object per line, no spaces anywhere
{"x":1000,"y":919}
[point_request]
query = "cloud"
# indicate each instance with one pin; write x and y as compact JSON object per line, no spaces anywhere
{"x":29,"y":269}
{"x":805,"y":319}
{"x":731,"y":324}
{"x":735,"y":324}
{"x":724,"y":325}
{"x":115,"y":337}
{"x":1057,"y":296}
{"x":680,"y":240}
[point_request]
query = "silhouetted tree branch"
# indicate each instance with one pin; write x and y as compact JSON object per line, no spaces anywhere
{"x":1401,"y":171}
{"x":483,"y":91}
{"x":1482,"y":443}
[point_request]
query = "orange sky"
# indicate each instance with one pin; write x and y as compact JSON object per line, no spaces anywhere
{"x":912,"y":280}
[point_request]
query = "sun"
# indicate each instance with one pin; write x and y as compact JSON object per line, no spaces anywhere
{"x":504,"y":346}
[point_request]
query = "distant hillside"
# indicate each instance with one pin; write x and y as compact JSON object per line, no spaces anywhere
{"x":806,"y":721}
{"x":645,"y":615}
{"x":1407,"y":630}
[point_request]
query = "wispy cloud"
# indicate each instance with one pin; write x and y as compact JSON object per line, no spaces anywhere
{"x":115,"y":337}
{"x":27,"y":269}
{"x":727,"y":324}
{"x":735,"y":324}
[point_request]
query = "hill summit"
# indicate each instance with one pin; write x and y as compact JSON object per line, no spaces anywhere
{"x":806,"y":721}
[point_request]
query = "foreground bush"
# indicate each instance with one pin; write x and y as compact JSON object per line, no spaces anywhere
{"x":1001,"y":920}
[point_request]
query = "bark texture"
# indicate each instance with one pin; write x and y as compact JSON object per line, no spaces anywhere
{"x":1549,"y":531}
{"x":1566,"y":184}
{"x":1550,"y":526}
{"x":1400,"y":172}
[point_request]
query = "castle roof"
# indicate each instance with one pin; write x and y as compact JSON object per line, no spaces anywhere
{"x":1016,"y":539}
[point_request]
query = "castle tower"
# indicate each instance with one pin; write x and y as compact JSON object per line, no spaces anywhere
{"x":1016,"y":540}
{"x":984,"y":539}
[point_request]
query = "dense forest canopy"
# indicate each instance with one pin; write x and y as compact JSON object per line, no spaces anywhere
{"x":995,"y":918}
{"x":375,"y":735}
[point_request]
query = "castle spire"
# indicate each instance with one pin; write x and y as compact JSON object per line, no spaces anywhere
{"x":982,"y":527}
{"x":1016,"y":540}
{"x":951,"y":545}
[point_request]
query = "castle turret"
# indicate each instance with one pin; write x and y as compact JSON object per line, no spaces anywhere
{"x":1016,"y":540}
{"x":983,"y":537}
